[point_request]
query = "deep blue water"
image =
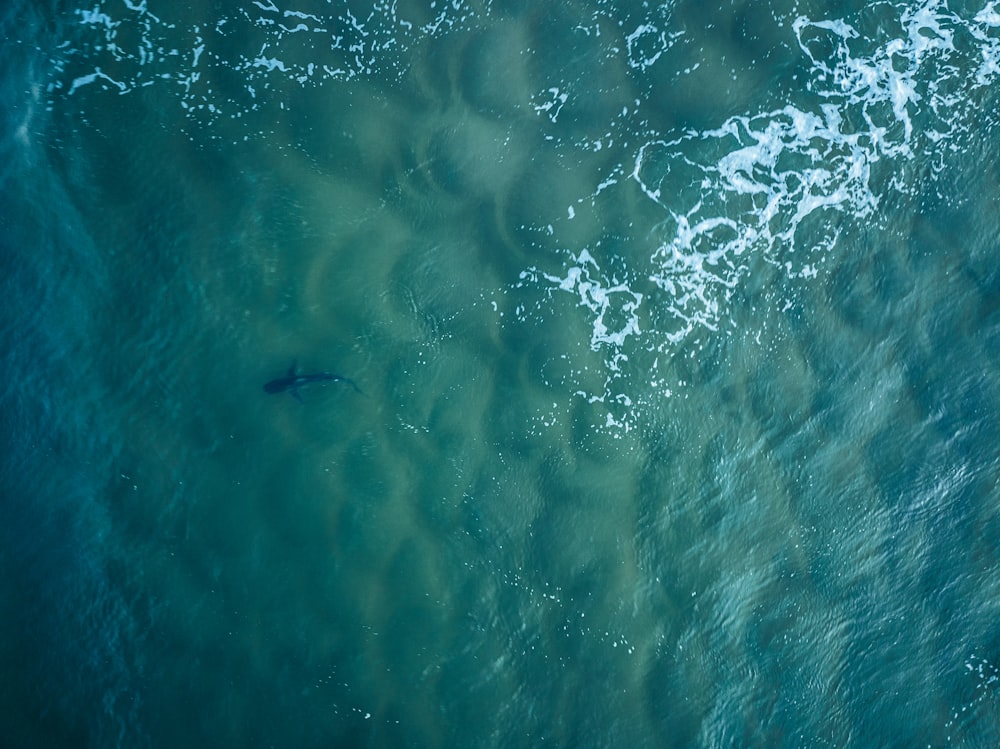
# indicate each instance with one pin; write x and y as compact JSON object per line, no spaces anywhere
{"x":675,"y":330}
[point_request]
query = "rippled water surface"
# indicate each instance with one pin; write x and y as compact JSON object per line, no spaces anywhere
{"x":675,"y":335}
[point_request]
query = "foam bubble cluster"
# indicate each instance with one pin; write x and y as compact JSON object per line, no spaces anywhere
{"x":225,"y":68}
{"x":778,"y":187}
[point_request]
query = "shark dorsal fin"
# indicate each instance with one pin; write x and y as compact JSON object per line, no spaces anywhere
{"x":292,"y":370}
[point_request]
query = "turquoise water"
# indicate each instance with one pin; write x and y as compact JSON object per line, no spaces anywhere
{"x":676,"y":331}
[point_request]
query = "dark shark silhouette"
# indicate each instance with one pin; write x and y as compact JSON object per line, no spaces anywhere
{"x":292,"y":381}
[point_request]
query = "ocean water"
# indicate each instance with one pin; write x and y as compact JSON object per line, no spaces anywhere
{"x":676,"y":330}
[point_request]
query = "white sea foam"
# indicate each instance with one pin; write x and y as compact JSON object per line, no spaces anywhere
{"x":744,"y":190}
{"x":552,"y":102}
{"x":603,"y":298}
{"x":646,"y":44}
{"x":340,"y":46}
{"x":97,"y":75}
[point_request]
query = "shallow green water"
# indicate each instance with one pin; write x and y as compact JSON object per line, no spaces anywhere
{"x":676,"y":332}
